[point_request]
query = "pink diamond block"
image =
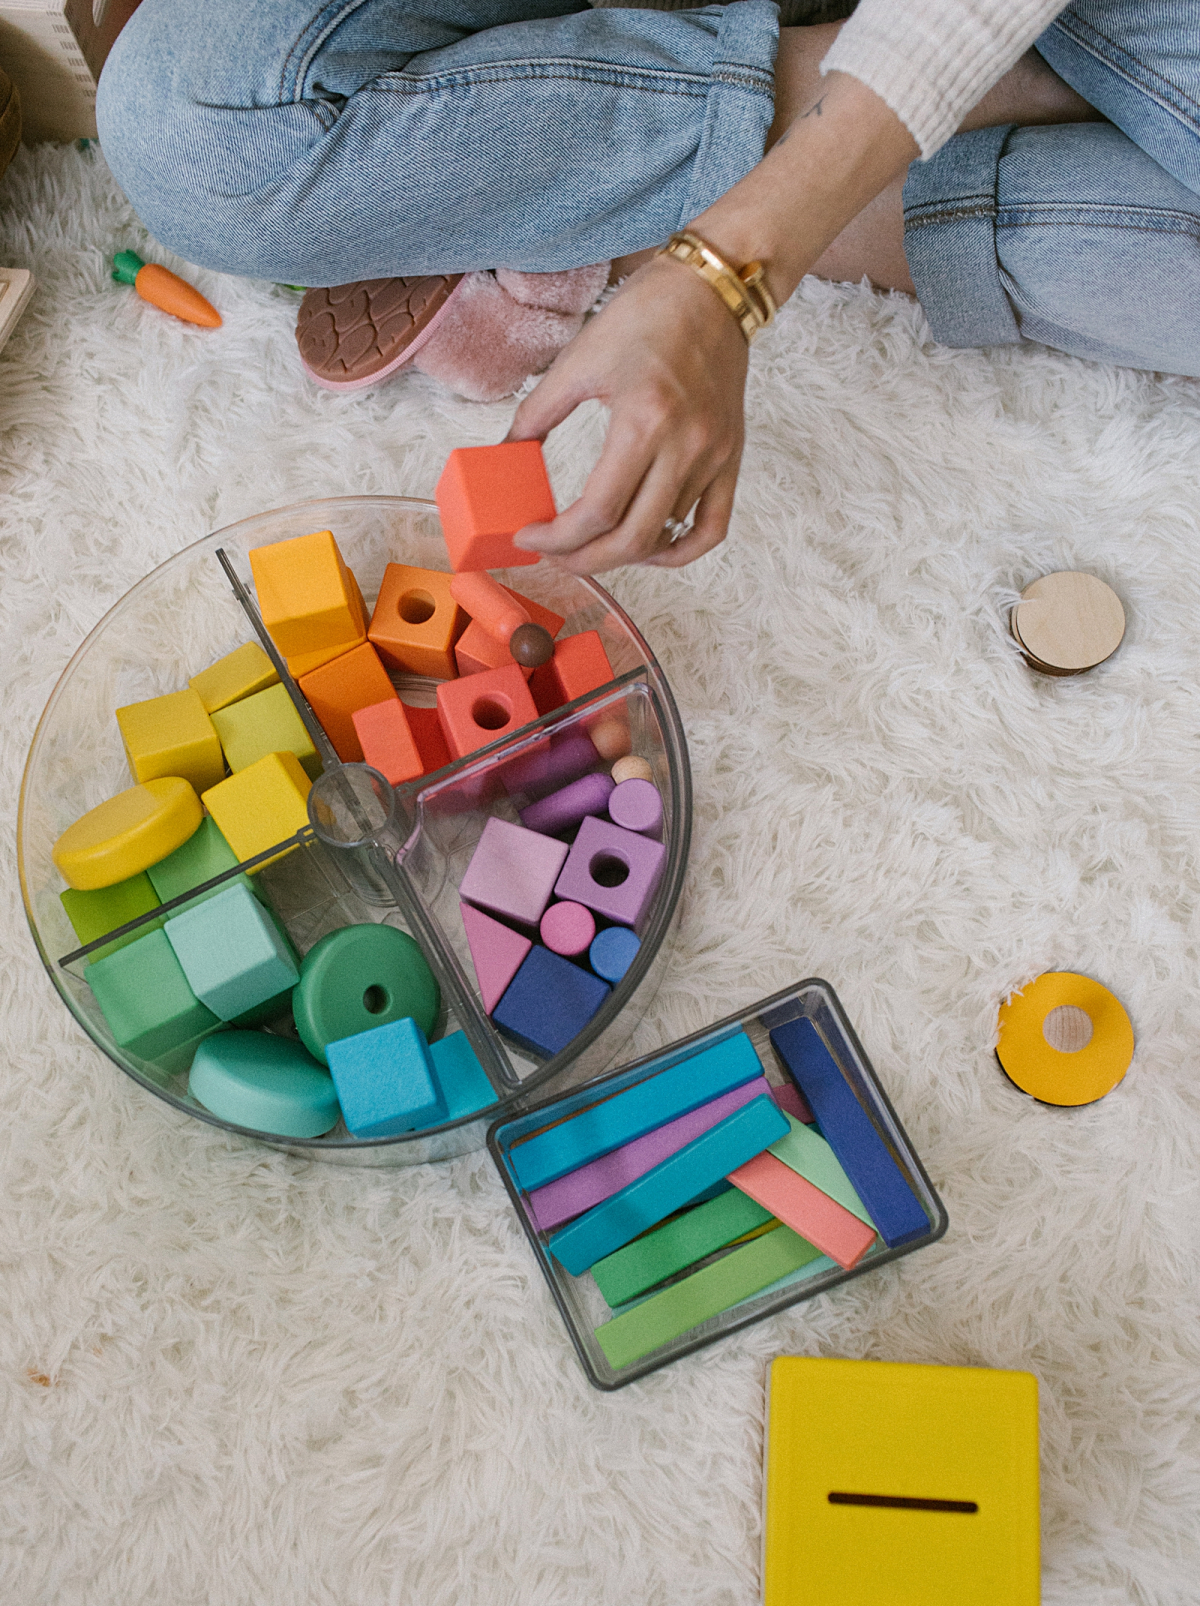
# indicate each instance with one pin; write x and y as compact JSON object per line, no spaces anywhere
{"x":512,"y":871}
{"x":612,"y":871}
{"x":496,"y":953}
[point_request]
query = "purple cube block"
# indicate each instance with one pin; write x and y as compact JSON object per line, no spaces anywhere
{"x":612,"y":871}
{"x":565,"y":808}
{"x":512,"y":871}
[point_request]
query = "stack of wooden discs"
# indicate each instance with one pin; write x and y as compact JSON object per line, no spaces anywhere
{"x":1067,"y":623}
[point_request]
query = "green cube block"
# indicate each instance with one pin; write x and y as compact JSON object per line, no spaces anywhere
{"x":204,"y":855}
{"x":146,"y":1000}
{"x":95,"y":914}
{"x":262,"y":724}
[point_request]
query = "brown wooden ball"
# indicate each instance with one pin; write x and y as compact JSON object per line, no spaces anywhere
{"x":531,"y":645}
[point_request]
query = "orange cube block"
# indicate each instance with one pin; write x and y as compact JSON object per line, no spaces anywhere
{"x":309,"y":600}
{"x":417,"y":622}
{"x":387,"y":742}
{"x":483,"y":707}
{"x":337,"y":690}
{"x":478,"y":649}
{"x":426,"y":728}
{"x":580,"y":664}
{"x":485,"y":495}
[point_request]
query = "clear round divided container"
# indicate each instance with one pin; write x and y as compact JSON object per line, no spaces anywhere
{"x":371,"y":853}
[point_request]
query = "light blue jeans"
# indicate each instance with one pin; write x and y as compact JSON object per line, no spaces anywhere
{"x":317,"y":144}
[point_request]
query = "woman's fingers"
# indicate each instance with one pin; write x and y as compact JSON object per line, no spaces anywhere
{"x":711,"y":522}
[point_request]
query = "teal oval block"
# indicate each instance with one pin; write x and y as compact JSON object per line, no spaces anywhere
{"x":270,"y":1084}
{"x":361,"y":977}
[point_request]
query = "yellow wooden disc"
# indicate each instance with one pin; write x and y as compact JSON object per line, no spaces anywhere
{"x":1067,"y":1075}
{"x":1069,"y":621}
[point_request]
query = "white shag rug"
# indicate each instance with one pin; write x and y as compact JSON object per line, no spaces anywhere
{"x":230,"y":1377}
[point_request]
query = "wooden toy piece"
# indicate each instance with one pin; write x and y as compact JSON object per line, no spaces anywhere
{"x":165,"y":290}
{"x":387,"y":742}
{"x":1064,"y":1039}
{"x":417,"y":622}
{"x":580,"y":664}
{"x":261,"y":805}
{"x":204,"y":855}
{"x":385,"y":1080}
{"x":478,"y":649}
{"x":239,"y":674}
{"x":172,"y":735}
{"x":485,"y":496}
{"x":490,"y":605}
{"x":266,"y":722}
{"x":233,"y":954}
{"x":308,"y":599}
{"x":806,"y":1153}
{"x":611,"y":736}
{"x":548,"y":766}
{"x":635,"y":805}
{"x":145,"y":998}
{"x":548,"y":1002}
{"x":673,"y":1091}
{"x":564,"y":809}
{"x":1067,"y":623}
{"x":482,"y":708}
{"x":580,"y":1190}
{"x":567,"y":929}
{"x":805,"y":1209}
{"x":512,"y":871}
{"x":127,"y":834}
{"x":910,"y":1485}
{"x":898,"y":1214}
{"x":612,"y":952}
{"x":531,"y":645}
{"x":304,"y":663}
{"x":792,"y":1102}
{"x":497,"y":953}
{"x":95,"y":914}
{"x":269,"y":1084}
{"x":16,"y":289}
{"x":614,"y":872}
{"x":669,"y":1249}
{"x":359,"y":977}
{"x":426,"y":730}
{"x":338,"y":689}
{"x":463,"y":1082}
{"x":669,"y":1186}
{"x":727,"y":1282}
{"x":632,"y":768}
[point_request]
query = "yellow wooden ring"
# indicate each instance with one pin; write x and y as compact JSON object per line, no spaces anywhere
{"x":1047,"y":1073}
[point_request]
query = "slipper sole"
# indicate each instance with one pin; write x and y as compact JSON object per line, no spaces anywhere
{"x":354,"y":335}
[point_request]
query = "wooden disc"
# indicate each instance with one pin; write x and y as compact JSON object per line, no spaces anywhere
{"x":1068,"y":622}
{"x":1064,"y":1039}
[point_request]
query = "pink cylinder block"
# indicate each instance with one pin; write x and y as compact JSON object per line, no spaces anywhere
{"x":568,"y":929}
{"x":635,"y":805}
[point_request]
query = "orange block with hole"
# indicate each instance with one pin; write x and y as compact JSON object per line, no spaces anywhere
{"x":309,"y":600}
{"x":387,"y":741}
{"x":477,"y":649}
{"x":426,"y":728}
{"x":417,"y":622}
{"x":485,"y":495}
{"x":580,"y":664}
{"x":481,"y":708}
{"x":339,"y":689}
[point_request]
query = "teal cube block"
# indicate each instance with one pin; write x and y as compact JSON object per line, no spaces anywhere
{"x":385,"y":1080}
{"x":146,"y":1000}
{"x":270,"y":1084}
{"x":204,"y":855}
{"x":233,"y":954}
{"x":95,"y":914}
{"x":461,"y":1079}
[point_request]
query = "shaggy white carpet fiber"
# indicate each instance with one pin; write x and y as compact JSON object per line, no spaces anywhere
{"x":230,"y":1376}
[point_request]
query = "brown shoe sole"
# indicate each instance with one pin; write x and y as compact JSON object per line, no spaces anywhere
{"x":10,"y":120}
{"x":354,"y":335}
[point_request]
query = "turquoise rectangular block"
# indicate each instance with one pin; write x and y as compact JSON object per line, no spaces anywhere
{"x":669,"y":1186}
{"x":233,"y":953}
{"x":629,"y":1115}
{"x":146,"y":1000}
{"x":460,"y":1077}
{"x":385,"y":1080}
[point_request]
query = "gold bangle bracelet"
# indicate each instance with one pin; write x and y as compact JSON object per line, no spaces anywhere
{"x":744,"y":291}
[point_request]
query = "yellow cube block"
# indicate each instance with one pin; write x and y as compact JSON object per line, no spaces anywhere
{"x":261,"y":805}
{"x":172,"y":735}
{"x":127,"y":833}
{"x":262,"y":724}
{"x":309,"y":600}
{"x":239,"y":674}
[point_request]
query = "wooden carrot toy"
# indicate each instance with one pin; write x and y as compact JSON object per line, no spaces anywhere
{"x":164,"y":289}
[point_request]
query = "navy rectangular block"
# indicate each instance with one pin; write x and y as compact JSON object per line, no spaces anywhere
{"x":892,"y":1205}
{"x":549,"y":1001}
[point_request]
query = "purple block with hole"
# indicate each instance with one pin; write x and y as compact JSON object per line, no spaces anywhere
{"x":565,"y":808}
{"x":512,"y":871}
{"x":612,"y":871}
{"x":580,"y":1190}
{"x":636,"y":805}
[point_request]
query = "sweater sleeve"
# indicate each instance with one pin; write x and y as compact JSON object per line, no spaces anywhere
{"x":930,"y":61}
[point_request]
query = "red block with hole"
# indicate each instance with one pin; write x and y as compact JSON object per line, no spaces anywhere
{"x":426,"y":728}
{"x":339,"y":689}
{"x":580,"y":664}
{"x":485,"y":495}
{"x":481,"y":708}
{"x":477,"y":649}
{"x":417,"y":622}
{"x":387,"y":742}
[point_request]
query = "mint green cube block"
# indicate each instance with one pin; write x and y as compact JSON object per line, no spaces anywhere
{"x":270,"y":1084}
{"x":145,"y":998}
{"x":233,"y":953}
{"x":95,"y":914}
{"x":204,"y":855}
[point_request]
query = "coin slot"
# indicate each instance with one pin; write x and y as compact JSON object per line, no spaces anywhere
{"x":902,"y":1502}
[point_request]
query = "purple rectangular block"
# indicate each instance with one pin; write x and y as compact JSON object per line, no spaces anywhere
{"x":512,"y":871}
{"x":612,"y":871}
{"x":580,"y":1190}
{"x":565,"y":808}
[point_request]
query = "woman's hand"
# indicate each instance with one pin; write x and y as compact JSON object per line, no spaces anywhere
{"x":669,"y":362}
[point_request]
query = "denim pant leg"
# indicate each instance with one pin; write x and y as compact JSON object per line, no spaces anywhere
{"x":321,"y":143}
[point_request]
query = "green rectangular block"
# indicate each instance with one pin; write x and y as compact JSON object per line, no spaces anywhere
{"x":807,"y":1154}
{"x":265,"y":723}
{"x":204,"y":855}
{"x":690,"y":1237}
{"x":736,"y":1276}
{"x":146,"y":1000}
{"x":95,"y":914}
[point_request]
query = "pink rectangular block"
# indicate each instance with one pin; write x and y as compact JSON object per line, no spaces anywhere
{"x":512,"y":871}
{"x":789,"y":1097}
{"x":805,"y":1209}
{"x":580,"y":1190}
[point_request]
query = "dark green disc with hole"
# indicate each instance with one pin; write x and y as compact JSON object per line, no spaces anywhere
{"x":360,"y":977}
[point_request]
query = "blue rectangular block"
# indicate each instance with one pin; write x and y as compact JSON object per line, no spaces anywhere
{"x":629,"y":1115}
{"x":669,"y":1186}
{"x":461,"y":1078}
{"x":892,"y":1205}
{"x":549,"y":1001}
{"x":385,"y":1080}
